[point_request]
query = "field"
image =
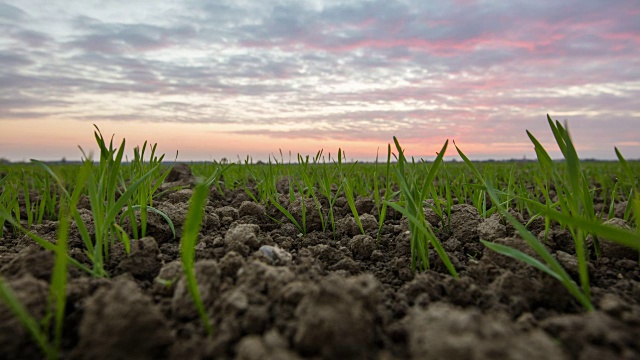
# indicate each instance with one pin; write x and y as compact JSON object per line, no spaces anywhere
{"x":314,"y":257}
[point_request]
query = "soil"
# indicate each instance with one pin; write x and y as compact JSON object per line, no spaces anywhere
{"x":272,"y":293}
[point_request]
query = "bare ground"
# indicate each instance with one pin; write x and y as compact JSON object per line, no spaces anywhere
{"x":273,"y":294}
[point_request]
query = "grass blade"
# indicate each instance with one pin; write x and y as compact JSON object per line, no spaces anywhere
{"x":190,"y":232}
{"x":7,"y":295}
{"x":531,"y":240}
{"x":519,"y":255}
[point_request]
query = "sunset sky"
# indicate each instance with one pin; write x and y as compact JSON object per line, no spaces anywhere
{"x":217,"y":79}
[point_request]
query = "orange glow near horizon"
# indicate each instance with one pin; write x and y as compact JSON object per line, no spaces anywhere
{"x":202,"y":142}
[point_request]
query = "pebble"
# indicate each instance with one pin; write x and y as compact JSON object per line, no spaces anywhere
{"x":276,"y":255}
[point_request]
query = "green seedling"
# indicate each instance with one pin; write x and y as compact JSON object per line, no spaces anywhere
{"x":152,"y":209}
{"x":550,"y":265}
{"x":57,"y":290}
{"x":348,"y":187}
{"x":309,"y":175}
{"x":632,"y":180}
{"x":382,"y":203}
{"x":573,"y":193}
{"x":190,"y":233}
{"x":575,"y":203}
{"x":142,"y":200}
{"x":326,"y":181}
{"x":414,"y":190}
{"x":102,"y":187}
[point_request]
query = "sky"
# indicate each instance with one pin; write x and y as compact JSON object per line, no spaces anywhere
{"x":231,"y":79}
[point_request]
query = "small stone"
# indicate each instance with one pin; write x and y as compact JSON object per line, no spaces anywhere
{"x":276,"y":255}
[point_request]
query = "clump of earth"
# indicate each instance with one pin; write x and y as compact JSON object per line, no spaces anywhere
{"x":273,"y":293}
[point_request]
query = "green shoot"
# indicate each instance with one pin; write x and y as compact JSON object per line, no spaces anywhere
{"x":187,"y":248}
{"x":552,"y":267}
{"x":414,"y":190}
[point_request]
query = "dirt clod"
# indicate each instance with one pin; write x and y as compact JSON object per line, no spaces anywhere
{"x":362,"y":246}
{"x":464,"y":222}
{"x":142,"y":262}
{"x":333,"y":323}
{"x":15,"y":340}
{"x":492,"y":228}
{"x":208,"y":279}
{"x":121,"y":322}
{"x":444,"y":332}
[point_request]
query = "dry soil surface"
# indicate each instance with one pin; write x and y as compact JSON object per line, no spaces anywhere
{"x":272,"y":293}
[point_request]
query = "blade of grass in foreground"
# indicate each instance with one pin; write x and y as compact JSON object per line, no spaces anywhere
{"x":57,"y":290}
{"x":9,"y":298}
{"x":348,"y":192}
{"x":574,"y":195}
{"x":634,"y":191}
{"x":187,"y":248}
{"x":552,"y":266}
{"x":40,"y":241}
{"x":388,"y":195}
{"x":623,"y":237}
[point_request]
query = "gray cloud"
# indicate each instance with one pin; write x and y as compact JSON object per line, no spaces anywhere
{"x":117,"y":38}
{"x":14,"y":60}
{"x":10,"y":14}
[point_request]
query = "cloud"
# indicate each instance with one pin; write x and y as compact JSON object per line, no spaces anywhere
{"x":10,"y":14}
{"x":358,"y":70}
{"x":118,"y":38}
{"x":14,"y":60}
